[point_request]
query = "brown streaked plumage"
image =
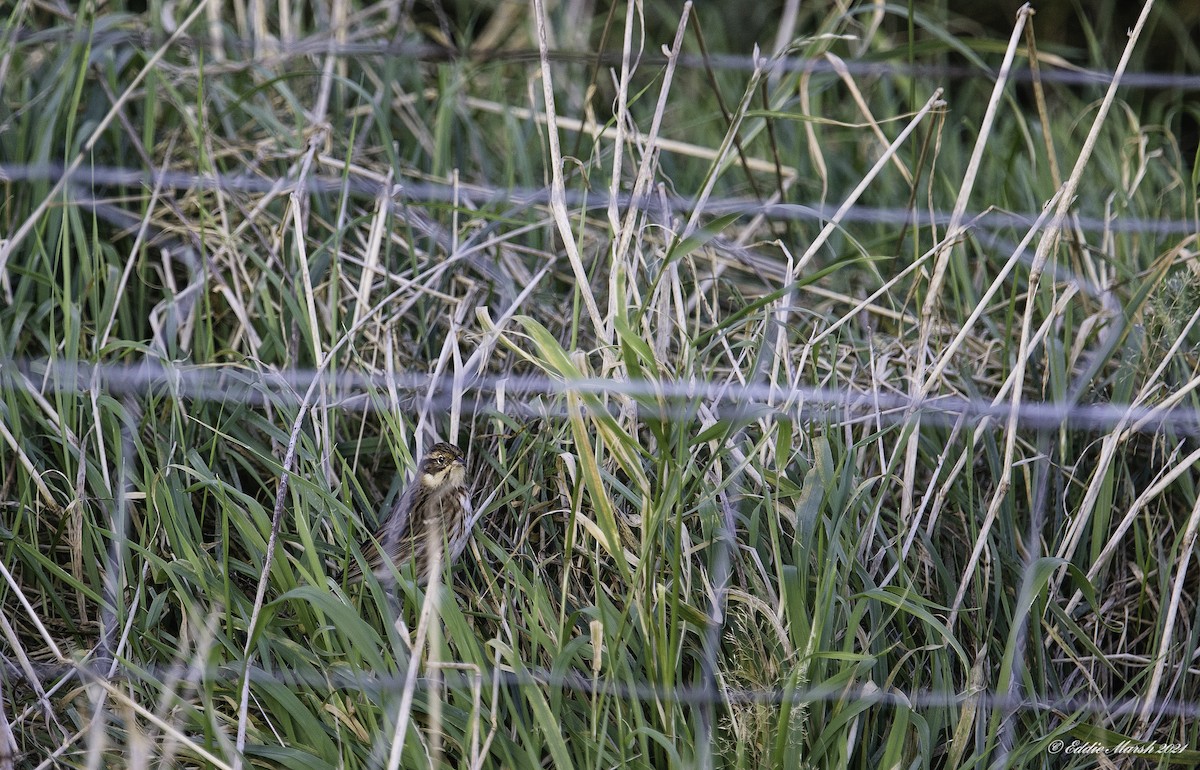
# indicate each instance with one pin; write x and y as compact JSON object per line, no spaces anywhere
{"x":434,"y":511}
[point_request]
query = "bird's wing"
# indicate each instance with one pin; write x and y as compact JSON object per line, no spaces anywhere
{"x":390,"y":532}
{"x":399,"y":520}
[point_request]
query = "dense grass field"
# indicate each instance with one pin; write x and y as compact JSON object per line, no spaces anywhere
{"x":830,"y":402}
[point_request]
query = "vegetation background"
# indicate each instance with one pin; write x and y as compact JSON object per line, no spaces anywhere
{"x":797,"y":441}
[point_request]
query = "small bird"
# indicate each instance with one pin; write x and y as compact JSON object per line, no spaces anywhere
{"x":433,"y":513}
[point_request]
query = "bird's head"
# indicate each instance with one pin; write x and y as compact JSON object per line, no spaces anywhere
{"x":443,"y":467}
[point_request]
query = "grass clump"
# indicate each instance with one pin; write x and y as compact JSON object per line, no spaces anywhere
{"x":797,"y":442}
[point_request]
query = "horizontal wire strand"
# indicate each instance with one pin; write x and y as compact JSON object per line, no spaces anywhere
{"x":522,"y":393}
{"x":476,"y":196}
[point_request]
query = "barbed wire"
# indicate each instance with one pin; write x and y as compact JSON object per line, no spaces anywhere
{"x":474,"y":195}
{"x":215,"y":383}
{"x":457,"y":679}
{"x":519,"y":395}
{"x":323,"y":44}
{"x":524,"y":394}
{"x":224,"y":383}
